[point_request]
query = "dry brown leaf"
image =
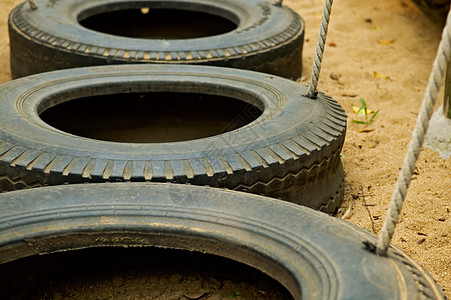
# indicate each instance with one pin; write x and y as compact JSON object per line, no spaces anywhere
{"x":195,"y":296}
{"x":350,"y":95}
{"x":366,"y":130}
{"x":386,"y":42}
{"x":379,"y":75}
{"x":421,"y":241}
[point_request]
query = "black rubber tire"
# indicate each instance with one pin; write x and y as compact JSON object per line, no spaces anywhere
{"x":291,"y":152}
{"x":313,"y":255}
{"x":268,"y":38}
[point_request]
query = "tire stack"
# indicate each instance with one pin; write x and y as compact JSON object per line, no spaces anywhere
{"x":274,"y":141}
{"x":67,"y":127}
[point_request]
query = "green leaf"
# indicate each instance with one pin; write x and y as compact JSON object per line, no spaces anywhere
{"x":363,"y":102}
{"x":360,"y":109}
{"x":373,"y":116}
{"x":358,"y":122}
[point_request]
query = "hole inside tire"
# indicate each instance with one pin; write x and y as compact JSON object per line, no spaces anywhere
{"x":134,"y":273}
{"x":150,"y":117}
{"x":149,"y":23}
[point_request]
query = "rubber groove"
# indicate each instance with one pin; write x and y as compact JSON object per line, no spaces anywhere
{"x":18,"y":183}
{"x":276,"y":41}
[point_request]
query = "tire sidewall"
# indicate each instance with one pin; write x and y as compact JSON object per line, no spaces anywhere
{"x":268,"y":38}
{"x":286,"y":111}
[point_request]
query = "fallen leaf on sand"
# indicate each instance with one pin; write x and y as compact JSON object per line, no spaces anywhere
{"x":195,"y":296}
{"x":385,"y":42}
{"x":379,"y":75}
{"x":362,"y":112}
{"x":366,"y":130}
{"x":350,"y":95}
{"x":421,"y":241}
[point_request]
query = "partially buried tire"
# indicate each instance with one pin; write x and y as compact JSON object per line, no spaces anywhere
{"x":202,"y":125}
{"x":247,"y":34}
{"x":313,"y":255}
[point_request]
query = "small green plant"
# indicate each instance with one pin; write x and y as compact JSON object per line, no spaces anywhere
{"x":234,"y":295}
{"x":363,"y":110}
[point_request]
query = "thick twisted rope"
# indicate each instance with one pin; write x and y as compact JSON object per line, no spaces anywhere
{"x":312,"y":93}
{"x":414,"y":148}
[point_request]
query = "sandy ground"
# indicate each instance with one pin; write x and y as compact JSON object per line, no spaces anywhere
{"x":372,"y":160}
{"x":394,"y":39}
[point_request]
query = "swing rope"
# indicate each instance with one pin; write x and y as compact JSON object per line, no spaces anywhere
{"x":312,"y":93}
{"x":422,"y":123}
{"x":414,"y":148}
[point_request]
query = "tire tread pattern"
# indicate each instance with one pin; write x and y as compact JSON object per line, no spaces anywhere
{"x":320,"y":135}
{"x":266,"y":45}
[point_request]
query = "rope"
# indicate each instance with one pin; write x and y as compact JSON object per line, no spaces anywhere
{"x":312,"y":93}
{"x":414,"y":148}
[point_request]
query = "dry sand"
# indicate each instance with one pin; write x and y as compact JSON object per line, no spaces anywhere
{"x":372,"y":160}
